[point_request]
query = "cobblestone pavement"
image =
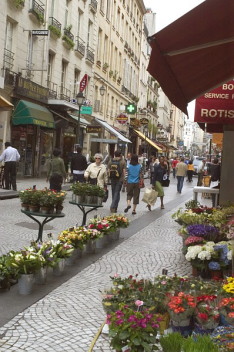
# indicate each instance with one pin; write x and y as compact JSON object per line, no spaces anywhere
{"x":68,"y":318}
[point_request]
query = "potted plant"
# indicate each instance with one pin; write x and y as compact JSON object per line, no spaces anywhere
{"x":61,"y":251}
{"x":134,"y":329}
{"x":55,"y":30}
{"x":226,"y":308}
{"x":79,"y":191}
{"x":25,"y":197}
{"x":47,"y":202}
{"x":200,"y":343}
{"x":171,"y":342}
{"x":26,"y":263}
{"x":34,"y":205}
{"x":59,"y":198}
{"x":206,"y":314}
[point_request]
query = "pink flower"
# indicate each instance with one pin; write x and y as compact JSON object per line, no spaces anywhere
{"x":163,"y":282}
{"x":139,"y":303}
{"x":116,"y":275}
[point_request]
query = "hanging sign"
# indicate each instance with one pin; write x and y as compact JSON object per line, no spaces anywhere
{"x":83,"y":82}
{"x":144,"y":121}
{"x":93,"y":129}
{"x":122,"y":118}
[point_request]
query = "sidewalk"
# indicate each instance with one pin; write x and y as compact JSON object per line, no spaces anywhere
{"x":68,"y":318}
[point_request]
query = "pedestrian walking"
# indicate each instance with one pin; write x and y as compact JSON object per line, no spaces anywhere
{"x":151,"y":168}
{"x":190,"y":171}
{"x":160,"y":170}
{"x":78,"y":165}
{"x":215,"y":171}
{"x":135,"y":173}
{"x":181,"y":171}
{"x":173,"y":165}
{"x":116,"y":171}
{"x":56,"y":172}
{"x":128,"y":159}
{"x":10,"y":156}
{"x":201,"y":173}
{"x":96,"y":172}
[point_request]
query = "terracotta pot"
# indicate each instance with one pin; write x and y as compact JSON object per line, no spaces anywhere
{"x":24,"y":206}
{"x":34,"y":208}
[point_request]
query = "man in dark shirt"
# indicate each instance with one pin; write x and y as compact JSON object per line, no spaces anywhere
{"x":78,"y":165}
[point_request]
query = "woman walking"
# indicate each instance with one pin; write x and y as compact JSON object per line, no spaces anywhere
{"x":133,"y":190}
{"x":159,"y":171}
{"x":56,"y":172}
{"x":96,"y":172}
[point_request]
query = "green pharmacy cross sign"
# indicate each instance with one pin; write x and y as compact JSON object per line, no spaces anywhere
{"x":131,"y":108}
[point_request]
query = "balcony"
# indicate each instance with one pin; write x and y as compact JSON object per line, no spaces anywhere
{"x":18,"y":3}
{"x":90,"y":54}
{"x":9,"y":77}
{"x":38,"y":11}
{"x":93,"y":6}
{"x":54,"y":27}
{"x":65,"y":94}
{"x":8,"y":59}
{"x":80,"y":46}
{"x":68,"y":38}
{"x":52,"y":89}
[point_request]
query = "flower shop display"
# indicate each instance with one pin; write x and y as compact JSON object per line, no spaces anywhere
{"x":223,"y":336}
{"x":86,"y":193}
{"x":226,"y":307}
{"x":44,"y":201}
{"x":207,"y":316}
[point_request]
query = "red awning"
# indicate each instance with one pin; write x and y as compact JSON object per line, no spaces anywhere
{"x":195,"y":53}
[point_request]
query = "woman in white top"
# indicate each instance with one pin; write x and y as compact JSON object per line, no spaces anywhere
{"x":96,"y":172}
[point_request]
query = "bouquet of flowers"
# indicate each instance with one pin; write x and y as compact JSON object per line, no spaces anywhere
{"x":193,"y":240}
{"x":46,"y":250}
{"x":226,"y":308}
{"x":99,"y":225}
{"x":61,"y":250}
{"x":25,"y":261}
{"x":117,"y":221}
{"x":181,"y":307}
{"x":206,"y":312}
{"x":209,"y":233}
{"x":133,"y":328}
{"x":77,"y":237}
{"x":228,"y":287}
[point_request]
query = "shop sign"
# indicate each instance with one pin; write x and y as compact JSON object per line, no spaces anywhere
{"x":83,"y":82}
{"x":43,"y":32}
{"x":70,"y":130}
{"x":216,"y":106}
{"x":122,"y":118}
{"x":144,"y":121}
{"x":135,"y":122}
{"x":131,"y":108}
{"x":32,"y":90}
{"x":93,"y":129}
{"x":86,"y":110}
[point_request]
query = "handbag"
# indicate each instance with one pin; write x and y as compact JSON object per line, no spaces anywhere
{"x":93,"y":181}
{"x":104,"y":199}
{"x":141,"y":183}
{"x":165,"y":183}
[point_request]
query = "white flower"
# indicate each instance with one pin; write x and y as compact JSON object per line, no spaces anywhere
{"x":193,"y":252}
{"x":229,"y":255}
{"x":204,"y":255}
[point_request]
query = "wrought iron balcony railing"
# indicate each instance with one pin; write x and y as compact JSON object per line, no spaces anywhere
{"x":80,"y":46}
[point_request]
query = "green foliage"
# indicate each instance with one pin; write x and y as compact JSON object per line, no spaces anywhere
{"x":172,"y":342}
{"x":18,"y":3}
{"x":200,"y":344}
{"x":68,"y":41}
{"x":55,"y":30}
{"x":192,"y":204}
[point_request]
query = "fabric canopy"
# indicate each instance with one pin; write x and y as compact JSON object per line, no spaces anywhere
{"x":195,"y":53}
{"x":113,"y":131}
{"x":149,"y":141}
{"x":27,"y":113}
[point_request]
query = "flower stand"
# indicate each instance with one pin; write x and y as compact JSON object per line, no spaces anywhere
{"x":41,"y":276}
{"x":25,"y":284}
{"x":59,"y":268}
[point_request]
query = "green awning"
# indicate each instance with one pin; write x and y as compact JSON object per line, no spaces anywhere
{"x":27,"y":113}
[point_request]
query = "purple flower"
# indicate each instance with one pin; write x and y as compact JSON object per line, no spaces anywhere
{"x":202,"y":230}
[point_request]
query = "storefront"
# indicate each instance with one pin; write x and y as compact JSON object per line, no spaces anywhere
{"x":32,"y":134}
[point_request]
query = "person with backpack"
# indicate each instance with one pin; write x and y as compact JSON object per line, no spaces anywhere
{"x":116,"y":170}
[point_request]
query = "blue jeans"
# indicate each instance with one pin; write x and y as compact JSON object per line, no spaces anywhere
{"x":180,"y":182}
{"x":115,"y":188}
{"x":78,"y":178}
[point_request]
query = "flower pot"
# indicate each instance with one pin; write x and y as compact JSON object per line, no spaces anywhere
{"x":34,"y":208}
{"x":59,"y":209}
{"x":216,"y":274}
{"x":24,"y":206}
{"x":44,"y":210}
{"x":41,"y":276}
{"x":91,"y":246}
{"x":25,"y":284}
{"x":116,"y":234}
{"x":99,"y":200}
{"x":59,"y":267}
{"x":100,"y":243}
{"x":80,"y":199}
{"x":88,"y":199}
{"x":71,"y":260}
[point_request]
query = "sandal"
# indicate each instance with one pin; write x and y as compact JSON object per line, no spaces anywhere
{"x":148,"y":206}
{"x":127,"y":209}
{"x":133,"y":213}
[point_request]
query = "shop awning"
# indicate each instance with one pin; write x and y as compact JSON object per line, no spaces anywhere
{"x":195,"y":53}
{"x":5,"y":104}
{"x":82,"y":120}
{"x":113,"y":131}
{"x":63,"y":104}
{"x":144,"y":138}
{"x":27,"y":113}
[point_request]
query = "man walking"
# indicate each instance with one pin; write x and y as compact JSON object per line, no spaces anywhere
{"x":181,"y":172}
{"x":78,"y":165}
{"x":10,"y":156}
{"x":116,"y":171}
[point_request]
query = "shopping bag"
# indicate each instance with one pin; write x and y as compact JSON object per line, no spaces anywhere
{"x":150,"y":196}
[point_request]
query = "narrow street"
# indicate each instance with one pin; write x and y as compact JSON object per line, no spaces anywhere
{"x":66,"y":313}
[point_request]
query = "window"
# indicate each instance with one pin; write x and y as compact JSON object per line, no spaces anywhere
{"x":63,"y":76}
{"x":76,"y":82}
{"x":8,"y":54}
{"x":50,"y":69}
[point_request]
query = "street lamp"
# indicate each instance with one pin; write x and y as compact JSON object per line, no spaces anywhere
{"x":102,"y":90}
{"x":80,"y":98}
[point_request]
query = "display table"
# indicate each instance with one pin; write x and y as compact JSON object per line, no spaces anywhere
{"x":82,"y":206}
{"x":47,"y":218}
{"x":198,"y":189}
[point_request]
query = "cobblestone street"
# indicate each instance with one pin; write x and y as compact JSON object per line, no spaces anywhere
{"x":68,"y":318}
